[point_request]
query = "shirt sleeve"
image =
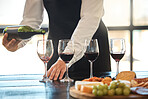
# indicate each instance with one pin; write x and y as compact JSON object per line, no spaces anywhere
{"x":32,"y":16}
{"x":90,"y":16}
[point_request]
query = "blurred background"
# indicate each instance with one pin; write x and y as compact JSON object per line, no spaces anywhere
{"x":126,"y":19}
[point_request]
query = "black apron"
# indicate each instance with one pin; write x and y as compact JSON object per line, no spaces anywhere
{"x":64,"y":16}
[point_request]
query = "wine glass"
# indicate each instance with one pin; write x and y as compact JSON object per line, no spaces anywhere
{"x":117,"y":50}
{"x":45,"y":52}
{"x":66,"y":54}
{"x":91,"y":53}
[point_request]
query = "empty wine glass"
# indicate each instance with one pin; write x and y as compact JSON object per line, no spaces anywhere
{"x":117,"y":50}
{"x":66,"y":54}
{"x":91,"y":53}
{"x":45,"y":52}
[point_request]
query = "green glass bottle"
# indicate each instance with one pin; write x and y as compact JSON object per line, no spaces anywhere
{"x":22,"y":32}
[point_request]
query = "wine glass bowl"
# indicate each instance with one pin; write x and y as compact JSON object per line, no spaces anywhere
{"x":66,"y":57}
{"x":45,"y":52}
{"x":91,"y":53}
{"x":66,"y":53}
{"x":117,"y":50}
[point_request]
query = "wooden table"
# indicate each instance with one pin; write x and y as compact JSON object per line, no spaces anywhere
{"x":27,"y":86}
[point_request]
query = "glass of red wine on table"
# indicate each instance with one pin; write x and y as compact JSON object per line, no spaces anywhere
{"x":117,"y":50}
{"x":45,"y":52}
{"x":66,"y":54}
{"x":91,"y":53}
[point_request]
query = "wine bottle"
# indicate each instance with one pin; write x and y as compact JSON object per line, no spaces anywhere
{"x":21,"y":32}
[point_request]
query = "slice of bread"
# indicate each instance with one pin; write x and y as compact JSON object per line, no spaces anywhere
{"x":139,"y":82}
{"x":126,"y":75}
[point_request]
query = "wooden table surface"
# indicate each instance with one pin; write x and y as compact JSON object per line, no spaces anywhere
{"x":27,"y":86}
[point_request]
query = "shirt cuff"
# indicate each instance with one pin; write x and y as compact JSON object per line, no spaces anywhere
{"x":23,"y":43}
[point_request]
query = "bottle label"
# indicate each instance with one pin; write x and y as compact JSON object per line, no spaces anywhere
{"x":12,"y":30}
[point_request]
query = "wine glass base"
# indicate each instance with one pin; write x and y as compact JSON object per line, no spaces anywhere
{"x":44,"y":80}
{"x":67,"y":80}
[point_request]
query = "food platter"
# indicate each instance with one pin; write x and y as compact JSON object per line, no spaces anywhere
{"x":81,"y":95}
{"x":122,"y":87}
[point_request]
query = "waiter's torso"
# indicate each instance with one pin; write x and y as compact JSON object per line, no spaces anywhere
{"x":64,"y":16}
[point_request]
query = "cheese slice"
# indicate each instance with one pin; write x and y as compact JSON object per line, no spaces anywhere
{"x":79,"y":84}
{"x":86,"y":88}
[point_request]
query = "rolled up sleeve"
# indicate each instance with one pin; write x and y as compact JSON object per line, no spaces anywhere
{"x":90,"y":16}
{"x":32,"y":16}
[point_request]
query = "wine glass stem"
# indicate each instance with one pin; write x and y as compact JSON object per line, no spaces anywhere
{"x":45,"y":64}
{"x":117,"y":68}
{"x":67,"y":76}
{"x":91,"y":69}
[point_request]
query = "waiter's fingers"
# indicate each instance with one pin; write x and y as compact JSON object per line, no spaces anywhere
{"x":57,"y":74}
{"x":49,"y":71}
{"x":62,"y":73}
{"x":17,"y":42}
{"x":52,"y":74}
{"x":56,"y":69}
{"x":5,"y":41}
{"x":11,"y":44}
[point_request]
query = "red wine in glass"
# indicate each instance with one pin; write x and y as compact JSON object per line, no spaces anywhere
{"x":117,"y":50}
{"x":66,"y":57}
{"x":91,"y":53}
{"x":91,"y":56}
{"x":66,"y":53}
{"x":45,"y":58}
{"x":117,"y":56}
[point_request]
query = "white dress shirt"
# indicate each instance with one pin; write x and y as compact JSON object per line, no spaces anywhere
{"x":90,"y":16}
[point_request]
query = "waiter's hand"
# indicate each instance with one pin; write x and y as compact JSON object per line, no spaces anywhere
{"x":11,"y":45}
{"x":57,"y":69}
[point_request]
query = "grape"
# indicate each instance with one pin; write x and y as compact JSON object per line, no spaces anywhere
{"x":105,"y":92}
{"x":114,"y":83}
{"x":127,"y":87}
{"x":121,"y":85}
{"x":105,"y":86}
{"x":115,"y":88}
{"x":100,"y":87}
{"x":100,"y":93}
{"x":118,"y":91}
{"x":111,"y":92}
{"x":118,"y":81}
{"x":94,"y":92}
{"x":126,"y":91}
{"x":112,"y":86}
{"x":94,"y":87}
